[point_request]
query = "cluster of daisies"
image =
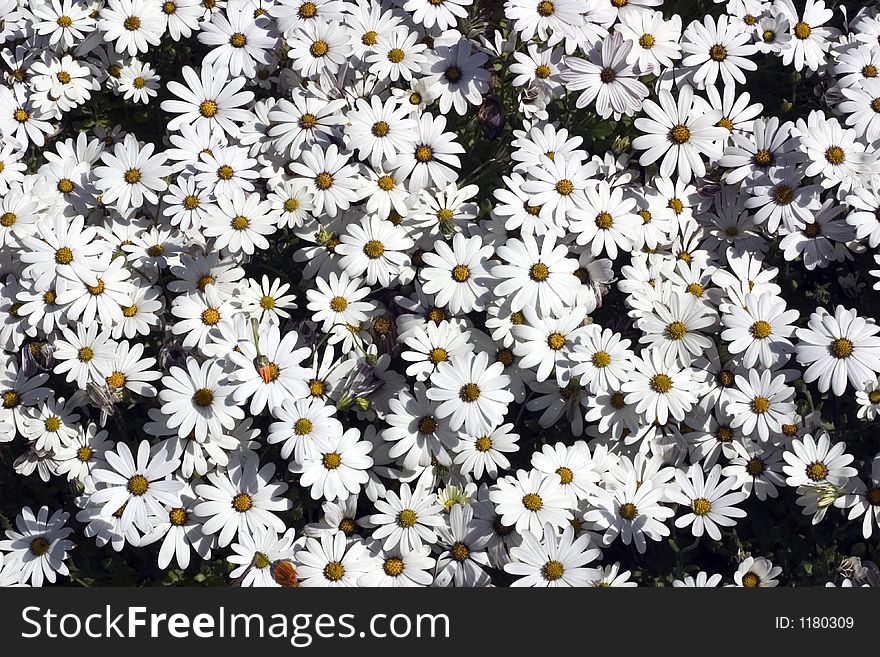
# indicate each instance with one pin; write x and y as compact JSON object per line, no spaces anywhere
{"x":323,"y":318}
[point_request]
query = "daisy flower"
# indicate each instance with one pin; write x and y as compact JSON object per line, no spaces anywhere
{"x":238,"y":39}
{"x":337,"y":304}
{"x":717,"y":48}
{"x":140,"y":485}
{"x":400,"y":568}
{"x":268,"y":369}
{"x":839,"y":348}
{"x":375,"y":249}
{"x":398,"y":55}
{"x":868,"y":399}
{"x":132,"y":25}
{"x":267,"y":300}
{"x":199,"y":313}
{"x":557,"y":561}
{"x":180,"y":532}
{"x":241,"y":500}
{"x":407,"y":521}
{"x":303,"y":426}
{"x":760,"y":330}
{"x":138,"y":82}
{"x":463,"y":553}
{"x":540,"y":277}
{"x":380,"y":131}
{"x":210,"y":98}
{"x":528,"y":501}
{"x":756,"y":572}
{"x":833,"y":151}
{"x":431,"y":159}
{"x":241,"y":222}
{"x":677,"y":328}
{"x":328,"y":176}
{"x":472,"y":393}
{"x":337,"y":469}
{"x":132,"y":174}
{"x":256,"y":553}
{"x":318,"y":47}
{"x":632,"y":511}
{"x":607,"y":79}
{"x":811,"y":40}
{"x":760,"y":404}
{"x":862,"y":108}
{"x":85,"y":355}
{"x":38,"y":546}
{"x":546,"y":343}
{"x":65,"y":22}
{"x":709,"y":500}
{"x":603,"y":360}
{"x":198,"y":400}
{"x":605,"y":220}
{"x":655,"y":41}
{"x":456,"y":74}
{"x":660,"y":387}
{"x":457,"y":276}
{"x":332,"y":561}
{"x":432,"y":344}
{"x":811,"y":462}
{"x":680,"y":133}
{"x":484,"y":453}
{"x":21,"y":120}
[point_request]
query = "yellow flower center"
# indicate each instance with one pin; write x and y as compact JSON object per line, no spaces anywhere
{"x":116,"y":380}
{"x":532,"y":502}
{"x":460,"y":273}
{"x":718,"y":53}
{"x":539,"y":272}
{"x":203,"y":397}
{"x":469,"y":392}
{"x":802,"y":30}
{"x":604,"y":220}
{"x":660,"y":383}
{"x":483,"y":444}
{"x":460,"y":552}
{"x":374,"y":249}
{"x":395,"y":56}
{"x":556,"y":341}
{"x":841,"y":348}
{"x":131,"y":23}
{"x":424,"y":153}
{"x":676,"y":331}
{"x":760,"y":329}
{"x":750,"y":580}
{"x":817,"y":471}
{"x":242,"y":502}
{"x":427,"y":425}
{"x":835,"y":155}
{"x":679,"y":134}
{"x":760,"y":405}
{"x":406,"y":518}
{"x":646,"y":41}
{"x":238,"y":40}
{"x":210,"y":317}
{"x":85,"y":354}
{"x":552,"y":570}
{"x":331,"y":460}
{"x":132,"y":176}
{"x":138,"y":485}
{"x":319,"y":48}
{"x":545,"y":8}
{"x":628,"y":511}
{"x":701,"y":506}
{"x":564,"y":187}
